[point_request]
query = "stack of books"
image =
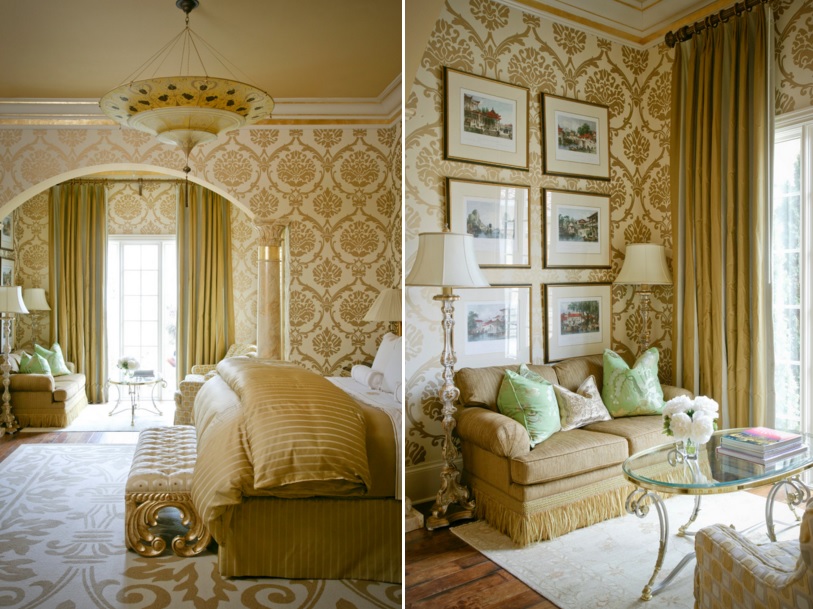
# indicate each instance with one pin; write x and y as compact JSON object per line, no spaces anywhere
{"x":761,"y":445}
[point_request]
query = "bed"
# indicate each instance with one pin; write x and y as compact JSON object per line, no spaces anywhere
{"x":294,"y":478}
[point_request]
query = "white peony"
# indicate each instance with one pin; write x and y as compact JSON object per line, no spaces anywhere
{"x":706,"y":406}
{"x":681,"y":403}
{"x":702,"y":428}
{"x":681,"y":425}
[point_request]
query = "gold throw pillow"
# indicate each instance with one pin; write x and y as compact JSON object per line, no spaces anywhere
{"x":582,"y":407}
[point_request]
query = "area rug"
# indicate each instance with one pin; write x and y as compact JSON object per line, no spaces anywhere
{"x":62,"y":546}
{"x":96,"y":417}
{"x":607,"y":565}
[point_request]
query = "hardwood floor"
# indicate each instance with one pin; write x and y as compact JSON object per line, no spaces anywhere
{"x":9,"y":443}
{"x":443,"y":572}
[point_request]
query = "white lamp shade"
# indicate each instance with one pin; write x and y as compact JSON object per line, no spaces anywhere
{"x":34,"y":299}
{"x":387,"y":307}
{"x":446,"y":260}
{"x":11,"y":300}
{"x":645,"y":264}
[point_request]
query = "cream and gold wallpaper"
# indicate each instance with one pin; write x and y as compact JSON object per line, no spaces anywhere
{"x":339,"y":187}
{"x":793,"y":24}
{"x":490,"y":39}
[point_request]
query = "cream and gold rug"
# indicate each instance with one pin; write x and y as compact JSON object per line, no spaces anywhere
{"x":606,"y":566}
{"x":62,"y":546}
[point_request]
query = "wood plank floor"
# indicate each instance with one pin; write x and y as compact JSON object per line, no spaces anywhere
{"x":443,"y":572}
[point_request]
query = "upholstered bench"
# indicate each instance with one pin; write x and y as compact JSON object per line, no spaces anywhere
{"x":160,"y":477}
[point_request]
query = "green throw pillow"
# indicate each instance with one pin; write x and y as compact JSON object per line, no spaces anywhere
{"x":629,"y":392}
{"x":36,"y":364}
{"x":531,"y":403}
{"x":55,"y":359}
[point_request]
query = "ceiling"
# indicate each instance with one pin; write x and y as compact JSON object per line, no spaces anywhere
{"x":314,"y":57}
{"x":640,"y":22}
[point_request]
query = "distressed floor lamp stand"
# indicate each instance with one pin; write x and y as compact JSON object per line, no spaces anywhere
{"x":644,"y":292}
{"x":451,"y":492}
{"x":8,"y":423}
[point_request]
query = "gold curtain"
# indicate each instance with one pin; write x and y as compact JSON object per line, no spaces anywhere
{"x":78,"y":259}
{"x":205,"y":297}
{"x":722,"y":113}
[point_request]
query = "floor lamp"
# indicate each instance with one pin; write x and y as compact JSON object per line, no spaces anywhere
{"x":644,"y":266}
{"x":35,"y":301}
{"x":387,"y":307}
{"x":447,"y":260}
{"x":11,"y":303}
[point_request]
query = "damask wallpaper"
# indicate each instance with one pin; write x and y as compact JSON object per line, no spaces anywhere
{"x":491,"y":39}
{"x":339,"y":187}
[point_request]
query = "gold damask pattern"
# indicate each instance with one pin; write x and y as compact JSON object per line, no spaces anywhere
{"x":339,"y":187}
{"x":794,"y":54}
{"x":490,"y":39}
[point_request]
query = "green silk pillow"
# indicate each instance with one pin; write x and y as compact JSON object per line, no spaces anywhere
{"x":55,"y":359}
{"x":36,"y":364}
{"x":632,"y":391}
{"x":530,"y":403}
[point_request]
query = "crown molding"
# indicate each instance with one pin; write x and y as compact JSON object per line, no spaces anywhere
{"x":379,"y":111}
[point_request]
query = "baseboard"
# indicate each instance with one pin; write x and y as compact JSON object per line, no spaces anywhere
{"x":422,"y":481}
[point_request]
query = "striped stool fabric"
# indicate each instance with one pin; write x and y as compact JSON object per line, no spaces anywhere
{"x":161,"y":477}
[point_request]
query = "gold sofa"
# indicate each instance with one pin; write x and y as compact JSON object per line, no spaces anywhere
{"x":571,"y":480}
{"x":733,"y":572}
{"x":42,"y":400}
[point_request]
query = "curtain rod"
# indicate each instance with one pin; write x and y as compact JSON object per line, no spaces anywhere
{"x":687,"y":31}
{"x":125,"y":180}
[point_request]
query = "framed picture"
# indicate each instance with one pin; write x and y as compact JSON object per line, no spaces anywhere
{"x":578,"y":320}
{"x":6,"y":272}
{"x":496,"y":326}
{"x":7,"y":233}
{"x":576,"y":138}
{"x":485,"y":121}
{"x":496,"y":215}
{"x":577,"y":229}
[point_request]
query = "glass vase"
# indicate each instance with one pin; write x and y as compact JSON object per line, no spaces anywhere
{"x":689,"y":448}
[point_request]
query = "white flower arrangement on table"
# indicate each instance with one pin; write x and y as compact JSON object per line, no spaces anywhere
{"x":127,"y":363}
{"x":690,"y":419}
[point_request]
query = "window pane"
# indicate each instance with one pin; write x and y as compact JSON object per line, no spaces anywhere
{"x":788,"y":396}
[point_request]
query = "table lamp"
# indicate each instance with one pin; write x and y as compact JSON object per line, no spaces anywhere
{"x":447,"y":260}
{"x":11,"y":303}
{"x":35,"y":301}
{"x":644,"y":266}
{"x":387,"y":307}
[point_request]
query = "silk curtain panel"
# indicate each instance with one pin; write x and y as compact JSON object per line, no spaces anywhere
{"x":722,"y":123}
{"x":78,"y":259}
{"x":205,"y":297}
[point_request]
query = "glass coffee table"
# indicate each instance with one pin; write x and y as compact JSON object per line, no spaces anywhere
{"x":134,"y":385}
{"x":666,"y":470}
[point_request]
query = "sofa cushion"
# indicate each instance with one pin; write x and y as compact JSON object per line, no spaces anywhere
{"x":570,"y":373}
{"x":641,"y":432}
{"x":32,"y":383}
{"x":632,"y":391}
{"x":479,"y":386}
{"x":581,"y":407}
{"x":568,"y":453}
{"x":532,"y":403}
{"x":68,"y":385}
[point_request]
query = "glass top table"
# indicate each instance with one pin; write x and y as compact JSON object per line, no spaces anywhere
{"x":666,"y":469}
{"x":134,"y":385}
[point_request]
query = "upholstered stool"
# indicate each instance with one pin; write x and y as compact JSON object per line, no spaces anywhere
{"x":160,"y":477}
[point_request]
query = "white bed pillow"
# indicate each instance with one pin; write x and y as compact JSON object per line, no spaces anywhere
{"x":366,"y":376}
{"x":392,"y":373}
{"x":385,"y":350}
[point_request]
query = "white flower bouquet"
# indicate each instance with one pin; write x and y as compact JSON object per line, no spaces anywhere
{"x":690,"y":419}
{"x":127,"y":363}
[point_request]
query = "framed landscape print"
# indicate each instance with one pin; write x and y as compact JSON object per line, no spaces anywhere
{"x":578,"y":319}
{"x":7,"y":233}
{"x":6,"y":272}
{"x":576,"y":138}
{"x":496,"y":326}
{"x":485,"y":121}
{"x":496,"y":215}
{"x":577,"y":229}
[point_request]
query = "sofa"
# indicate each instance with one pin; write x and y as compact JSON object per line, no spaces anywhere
{"x":571,"y":480}
{"x":42,"y":400}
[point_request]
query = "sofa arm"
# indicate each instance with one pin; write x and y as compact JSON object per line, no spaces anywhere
{"x":32,"y":382}
{"x":670,"y":392}
{"x":493,"y":432}
{"x":202,"y":368}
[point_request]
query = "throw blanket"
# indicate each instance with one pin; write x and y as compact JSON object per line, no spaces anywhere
{"x":275,"y":429}
{"x":386,"y":403}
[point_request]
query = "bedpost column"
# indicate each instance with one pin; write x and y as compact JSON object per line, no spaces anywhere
{"x":272,"y":290}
